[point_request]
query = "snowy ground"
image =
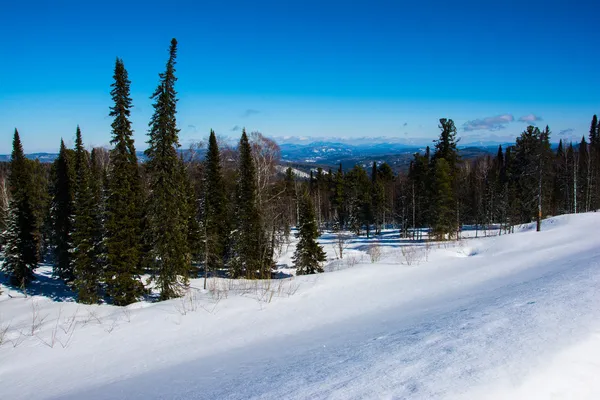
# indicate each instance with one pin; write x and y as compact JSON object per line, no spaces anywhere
{"x":512,"y":316}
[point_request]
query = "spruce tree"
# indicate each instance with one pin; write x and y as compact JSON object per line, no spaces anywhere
{"x":337,"y":200}
{"x":85,"y":261}
{"x":249,"y":237}
{"x":595,"y":164}
{"x":167,"y":222}
{"x":63,"y":198}
{"x":377,"y":199}
{"x":444,"y":218}
{"x":445,"y":146}
{"x":583,"y":185}
{"x":215,"y":219}
{"x":290,"y":202}
{"x":21,"y":235}
{"x":309,"y":255}
{"x":124,"y":200}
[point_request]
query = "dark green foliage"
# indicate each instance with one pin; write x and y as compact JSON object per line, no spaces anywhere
{"x":167,"y":205}
{"x":86,"y":263}
{"x":532,"y":161}
{"x":420,"y":190}
{"x":309,"y":255}
{"x":357,"y":198}
{"x":561,"y":184}
{"x":63,"y":198}
{"x":215,"y":216}
{"x":445,"y":146}
{"x":249,"y":238}
{"x":291,"y":208}
{"x":583,"y":184}
{"x":444,"y":217}
{"x":594,"y":178}
{"x":377,"y":199}
{"x":22,"y":234}
{"x":124,"y":201}
{"x":337,"y":200}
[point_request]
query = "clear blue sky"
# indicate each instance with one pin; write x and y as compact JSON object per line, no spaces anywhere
{"x":302,"y":68}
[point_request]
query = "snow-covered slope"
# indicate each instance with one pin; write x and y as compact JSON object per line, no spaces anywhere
{"x":515,"y":316}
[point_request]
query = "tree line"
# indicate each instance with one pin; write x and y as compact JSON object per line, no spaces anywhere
{"x":114,"y":228}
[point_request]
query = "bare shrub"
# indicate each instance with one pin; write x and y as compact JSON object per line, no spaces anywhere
{"x":188,"y":302}
{"x":92,"y":316}
{"x":374,"y":252}
{"x":411,"y":254}
{"x":351,"y":261}
{"x":4,"y":328}
{"x":37,"y":320}
{"x":127,"y":314}
{"x":340,"y":244}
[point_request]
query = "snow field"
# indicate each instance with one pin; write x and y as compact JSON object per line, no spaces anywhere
{"x":511,"y":316}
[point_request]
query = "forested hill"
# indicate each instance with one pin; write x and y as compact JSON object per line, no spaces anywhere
{"x":326,"y":154}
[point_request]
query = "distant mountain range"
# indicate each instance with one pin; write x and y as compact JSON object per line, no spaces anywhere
{"x":329,"y":153}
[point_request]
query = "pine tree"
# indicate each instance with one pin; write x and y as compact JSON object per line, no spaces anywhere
{"x":377,"y":199}
{"x":249,"y":237}
{"x":124,"y":200}
{"x":309,"y":255}
{"x":420,"y":178}
{"x":86,"y":266}
{"x":63,"y":198}
{"x":583,"y":185}
{"x":444,"y":218}
{"x":290,"y":201}
{"x":595,"y":164}
{"x":215,"y":218}
{"x":167,"y":230}
{"x":445,"y":146}
{"x":21,"y":236}
{"x":337,"y":200}
{"x":561,"y":187}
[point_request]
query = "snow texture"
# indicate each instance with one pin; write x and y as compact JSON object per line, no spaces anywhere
{"x":512,"y":316}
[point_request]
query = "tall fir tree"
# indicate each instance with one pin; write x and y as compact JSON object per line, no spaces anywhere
{"x":584,"y":176}
{"x":444,"y":218}
{"x":62,"y":203}
{"x":249,"y":239}
{"x":309,"y":255}
{"x":167,"y":205}
{"x":124,"y":203}
{"x":594,"y":140}
{"x":215,"y":216}
{"x":445,"y":146}
{"x":377,"y":199}
{"x":21,"y":236}
{"x":86,"y":266}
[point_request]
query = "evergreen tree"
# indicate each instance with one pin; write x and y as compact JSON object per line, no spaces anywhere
{"x":337,"y":201}
{"x":21,"y":235}
{"x":595,"y":164}
{"x":532,"y":163}
{"x":583,"y":185}
{"x":215,"y":217}
{"x":561,"y":190}
{"x":420,"y":187}
{"x":249,"y":239}
{"x":168,"y":224}
{"x":85,"y":260}
{"x":444,"y":218}
{"x":290,"y":201}
{"x":445,"y":146}
{"x":63,"y":198}
{"x":309,"y":255}
{"x":377,"y":198}
{"x":124,"y":200}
